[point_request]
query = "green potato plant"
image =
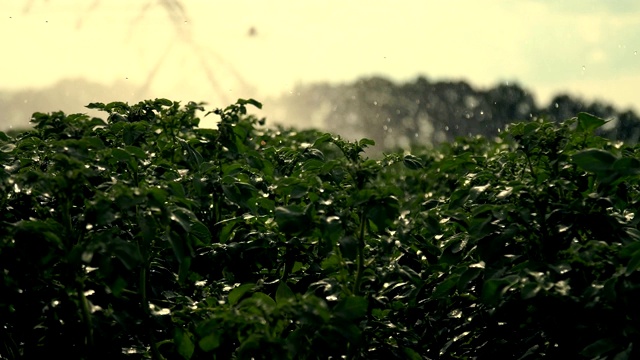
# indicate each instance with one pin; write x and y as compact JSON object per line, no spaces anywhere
{"x":145,"y":236}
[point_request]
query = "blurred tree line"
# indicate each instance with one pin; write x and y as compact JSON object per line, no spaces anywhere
{"x":68,"y":95}
{"x":426,"y":113}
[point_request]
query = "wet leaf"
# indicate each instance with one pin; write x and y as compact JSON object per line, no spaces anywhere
{"x":236,"y":294}
{"x":588,"y":123}
{"x":184,"y":343}
{"x":599,"y":348}
{"x":351,"y":308}
{"x":594,"y":160}
{"x":412,"y":162}
{"x":284,"y":294}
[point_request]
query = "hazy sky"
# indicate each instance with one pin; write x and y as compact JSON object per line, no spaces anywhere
{"x":587,"y":47}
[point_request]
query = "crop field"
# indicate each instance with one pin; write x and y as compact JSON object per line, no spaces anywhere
{"x":142,"y":235}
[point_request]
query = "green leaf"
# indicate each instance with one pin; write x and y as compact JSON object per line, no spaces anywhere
{"x":7,"y":148}
{"x":599,"y":348}
{"x":178,"y":245}
{"x":210,"y":342}
{"x":366,"y":142}
{"x":458,"y":198}
{"x":383,"y":212}
{"x":284,"y":293}
{"x":627,"y":166}
{"x":351,"y":308}
{"x":183,"y":217}
{"x":262,"y":299}
{"x":530,"y":290}
{"x":412,"y":162}
{"x":120,"y":155}
{"x":194,"y":157}
{"x":184,"y":344}
{"x":236,"y":294}
{"x":136,"y":151}
{"x":200,"y":231}
{"x":493,"y":289}
{"x":250,"y":101}
{"x":348,"y":247}
{"x":128,"y":253}
{"x":411,"y":354}
{"x":96,"y":105}
{"x":634,"y":263}
{"x":184,"y":265}
{"x":351,"y":332}
{"x":588,"y":123}
{"x":469,"y":275}
{"x":444,"y":288}
{"x":164,"y":102}
{"x":322,"y":139}
{"x":331,"y":263}
{"x":594,"y":160}
{"x":291,"y":219}
{"x":241,"y":193}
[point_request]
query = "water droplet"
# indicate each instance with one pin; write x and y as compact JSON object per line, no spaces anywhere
{"x":556,"y":105}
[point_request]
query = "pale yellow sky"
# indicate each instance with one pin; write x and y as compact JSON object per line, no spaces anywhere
{"x":587,"y":47}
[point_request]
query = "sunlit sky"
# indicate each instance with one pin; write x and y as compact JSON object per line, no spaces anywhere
{"x":588,"y":48}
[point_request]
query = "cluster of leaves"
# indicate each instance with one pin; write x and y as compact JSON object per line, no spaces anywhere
{"x":145,"y":236}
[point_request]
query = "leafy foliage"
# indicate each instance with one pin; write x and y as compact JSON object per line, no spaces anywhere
{"x":145,"y":236}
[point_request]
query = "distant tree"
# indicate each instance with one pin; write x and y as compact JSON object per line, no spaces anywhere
{"x":628,"y":127}
{"x":509,"y":103}
{"x":68,"y":95}
{"x":423,"y":112}
{"x":563,"y":106}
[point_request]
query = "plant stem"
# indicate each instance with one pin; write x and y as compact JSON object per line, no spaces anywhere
{"x":155,"y":353}
{"x":86,"y":317}
{"x":360,"y":259}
